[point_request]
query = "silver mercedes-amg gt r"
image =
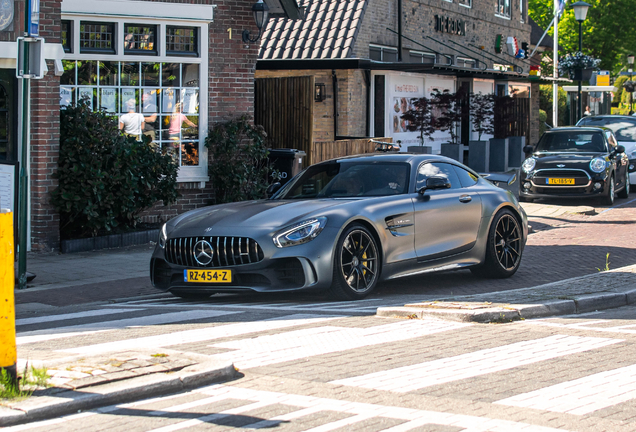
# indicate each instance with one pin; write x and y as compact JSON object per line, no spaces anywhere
{"x":345,"y":225}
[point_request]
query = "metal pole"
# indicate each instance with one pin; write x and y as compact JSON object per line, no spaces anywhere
{"x":631,"y":94}
{"x":580,"y":105}
{"x":555,"y":72}
{"x":24,"y":177}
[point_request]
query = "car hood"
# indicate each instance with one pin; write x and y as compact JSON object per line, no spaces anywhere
{"x":573,"y":160}
{"x":262,"y":214}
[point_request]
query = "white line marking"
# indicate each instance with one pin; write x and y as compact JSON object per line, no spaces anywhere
{"x":616,"y":329}
{"x":616,"y":206}
{"x":85,"y":329}
{"x":293,"y":345}
{"x":202,"y":334}
{"x":62,"y":317}
{"x":414,"y":377}
{"x":581,"y":396}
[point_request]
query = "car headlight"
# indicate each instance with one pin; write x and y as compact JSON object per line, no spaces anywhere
{"x":528,"y":165}
{"x":300,"y":233}
{"x":163,"y":236}
{"x":598,"y":164}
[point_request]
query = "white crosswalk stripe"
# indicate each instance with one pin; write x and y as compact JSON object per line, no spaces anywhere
{"x":598,"y":326}
{"x":72,"y":316}
{"x":581,"y":396}
{"x":414,"y":377}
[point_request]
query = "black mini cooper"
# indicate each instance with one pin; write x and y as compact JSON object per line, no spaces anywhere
{"x":575,"y":162}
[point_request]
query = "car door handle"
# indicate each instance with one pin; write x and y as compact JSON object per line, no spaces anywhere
{"x":465,"y":198}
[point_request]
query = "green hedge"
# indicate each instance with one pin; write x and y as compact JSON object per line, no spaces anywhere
{"x":105,"y":178}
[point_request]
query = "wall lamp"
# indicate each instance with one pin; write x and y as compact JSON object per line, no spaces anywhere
{"x":261,"y":12}
{"x":319,"y":92}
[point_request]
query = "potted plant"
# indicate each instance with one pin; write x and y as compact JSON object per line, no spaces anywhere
{"x":578,"y":66}
{"x":419,"y":119}
{"x":482,"y":108}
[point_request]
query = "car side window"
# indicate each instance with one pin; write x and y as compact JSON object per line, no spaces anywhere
{"x":611,"y":140}
{"x":466,"y":178}
{"x":436,"y":169}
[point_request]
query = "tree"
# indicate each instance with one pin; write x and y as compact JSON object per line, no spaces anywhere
{"x":419,"y":118}
{"x":449,"y":105}
{"x":598,"y":40}
{"x":482,"y":109}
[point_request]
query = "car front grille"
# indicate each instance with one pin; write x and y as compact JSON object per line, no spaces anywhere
{"x":581,"y":178}
{"x":227,"y":251}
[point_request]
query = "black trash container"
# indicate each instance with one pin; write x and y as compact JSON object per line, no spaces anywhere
{"x":288,"y":162}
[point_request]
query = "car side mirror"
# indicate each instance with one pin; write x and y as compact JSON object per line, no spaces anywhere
{"x":273,"y":188}
{"x":620,"y":149}
{"x":435,"y":183}
{"x":528,"y":149}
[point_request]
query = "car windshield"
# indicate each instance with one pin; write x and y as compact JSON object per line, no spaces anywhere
{"x":624,"y":128}
{"x":348,"y":179}
{"x":572,"y":142}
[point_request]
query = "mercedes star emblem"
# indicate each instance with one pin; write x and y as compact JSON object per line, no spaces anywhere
{"x":203,"y":252}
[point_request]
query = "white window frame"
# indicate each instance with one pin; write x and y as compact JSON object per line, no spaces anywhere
{"x":199,"y":173}
{"x":423,"y":55}
{"x":383,"y":48}
{"x":468,"y":60}
{"x":503,"y":15}
{"x":466,"y":3}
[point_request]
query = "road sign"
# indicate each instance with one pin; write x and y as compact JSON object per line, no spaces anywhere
{"x":33,"y":28}
{"x":29,"y":58}
{"x":602,"y":78}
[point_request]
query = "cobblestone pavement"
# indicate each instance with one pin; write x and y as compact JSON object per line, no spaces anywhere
{"x":326,"y":371}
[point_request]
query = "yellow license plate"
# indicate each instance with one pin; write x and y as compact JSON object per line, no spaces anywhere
{"x":207,"y":276}
{"x":561,"y":181}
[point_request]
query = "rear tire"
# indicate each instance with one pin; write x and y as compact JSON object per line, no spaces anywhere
{"x":624,"y":193}
{"x":504,"y":248}
{"x":356,"y":264}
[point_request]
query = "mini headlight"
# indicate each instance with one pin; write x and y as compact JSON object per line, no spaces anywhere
{"x":598,"y":164}
{"x":163,"y":236}
{"x":300,"y":233}
{"x":528,"y":165}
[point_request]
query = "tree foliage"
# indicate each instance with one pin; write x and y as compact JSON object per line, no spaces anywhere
{"x":609,"y":31}
{"x":482,"y":110}
{"x":419,"y":118}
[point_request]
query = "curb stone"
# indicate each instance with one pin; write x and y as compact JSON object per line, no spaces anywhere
{"x":72,"y":401}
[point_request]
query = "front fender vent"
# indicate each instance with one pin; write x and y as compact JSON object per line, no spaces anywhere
{"x":227,"y":251}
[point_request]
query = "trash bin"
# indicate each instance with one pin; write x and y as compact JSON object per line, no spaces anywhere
{"x":288,"y":162}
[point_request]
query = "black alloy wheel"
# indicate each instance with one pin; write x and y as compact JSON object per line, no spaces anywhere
{"x":624,"y":193}
{"x":356,"y":264}
{"x":611,"y":191}
{"x":504,"y":249}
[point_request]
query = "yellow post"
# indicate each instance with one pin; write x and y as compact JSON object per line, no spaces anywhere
{"x":8,"y":353}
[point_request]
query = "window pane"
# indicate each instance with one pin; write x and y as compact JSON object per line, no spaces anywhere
{"x":150,"y":74}
{"x":182,"y":40}
{"x":190,"y":102}
{"x":190,"y":127}
{"x":88,"y":95}
{"x":375,"y":53}
{"x":129,"y":100}
{"x":67,"y":96}
{"x":66,"y":28}
{"x":86,"y":72}
{"x":169,"y":98}
{"x":108,"y":99}
{"x":140,"y":38}
{"x":130,"y":74}
{"x":171,"y":75}
{"x":68,"y":77}
{"x":389,"y":56}
{"x":97,"y":37}
{"x":190,"y":75}
{"x":109,"y":73}
{"x":189,"y":153}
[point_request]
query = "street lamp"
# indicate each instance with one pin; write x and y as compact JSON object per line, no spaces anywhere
{"x":630,"y":61}
{"x":261,"y":12}
{"x":580,"y":13}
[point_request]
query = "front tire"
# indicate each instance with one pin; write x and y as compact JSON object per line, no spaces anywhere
{"x":609,"y":198}
{"x":504,"y":248}
{"x":624,"y":193}
{"x":356,"y":266}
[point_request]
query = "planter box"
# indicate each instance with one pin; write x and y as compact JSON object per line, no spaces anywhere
{"x":516,"y":155}
{"x":420,"y":149}
{"x":453,"y":151}
{"x":109,"y":241}
{"x":498,"y":160}
{"x":478,"y":155}
{"x":582,"y":74}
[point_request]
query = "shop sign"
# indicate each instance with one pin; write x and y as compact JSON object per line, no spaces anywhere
{"x":446,"y":24}
{"x":6,"y":15}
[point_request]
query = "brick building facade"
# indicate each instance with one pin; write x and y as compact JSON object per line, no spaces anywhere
{"x":107,"y":50}
{"x":444,"y":45}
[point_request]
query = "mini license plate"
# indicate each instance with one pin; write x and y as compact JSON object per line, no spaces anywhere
{"x":560,"y":181}
{"x":207,"y":276}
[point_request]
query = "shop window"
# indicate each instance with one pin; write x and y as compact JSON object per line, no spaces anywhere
{"x":421,"y":57}
{"x":182,"y":41}
{"x":67,"y":36}
{"x":97,"y":37}
{"x":383,"y":54}
{"x":140,"y":39}
{"x":502,"y":8}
